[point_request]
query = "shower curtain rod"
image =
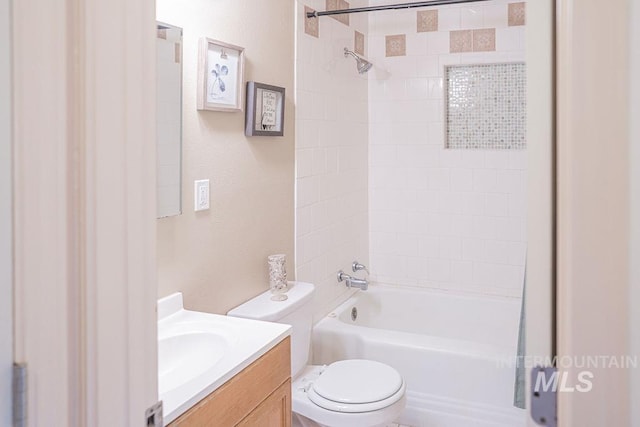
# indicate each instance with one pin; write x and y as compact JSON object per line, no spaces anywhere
{"x":315,"y":14}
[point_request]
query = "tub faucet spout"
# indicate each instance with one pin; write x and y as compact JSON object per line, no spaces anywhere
{"x":353,"y":282}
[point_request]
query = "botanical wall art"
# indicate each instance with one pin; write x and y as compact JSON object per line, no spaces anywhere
{"x":220,"y":76}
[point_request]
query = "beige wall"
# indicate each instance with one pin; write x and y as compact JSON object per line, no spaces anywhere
{"x":217,"y":258}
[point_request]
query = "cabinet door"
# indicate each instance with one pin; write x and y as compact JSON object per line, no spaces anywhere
{"x":274,"y":411}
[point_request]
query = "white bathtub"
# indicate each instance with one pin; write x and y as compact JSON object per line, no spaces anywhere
{"x":451,"y":350}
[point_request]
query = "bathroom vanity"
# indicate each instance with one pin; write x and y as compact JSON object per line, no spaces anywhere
{"x":216,"y":370}
{"x":260,"y":395}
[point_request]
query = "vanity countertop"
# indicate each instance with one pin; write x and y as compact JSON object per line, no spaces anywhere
{"x":198,"y":352}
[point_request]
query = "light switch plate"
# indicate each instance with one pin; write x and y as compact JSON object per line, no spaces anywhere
{"x":201,"y":195}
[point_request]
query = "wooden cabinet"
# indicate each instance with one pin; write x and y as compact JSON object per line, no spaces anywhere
{"x":259,"y":396}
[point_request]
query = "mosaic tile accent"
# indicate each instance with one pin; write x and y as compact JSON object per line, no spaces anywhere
{"x":427,"y":20}
{"x":396,"y":45}
{"x":486,"y":106}
{"x":311,"y":25}
{"x":358,"y":43}
{"x":517,"y":15}
{"x":338,"y":5}
{"x":460,"y":41}
{"x":484,"y":40}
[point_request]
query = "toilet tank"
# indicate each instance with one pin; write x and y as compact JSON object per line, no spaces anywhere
{"x":296,"y":311}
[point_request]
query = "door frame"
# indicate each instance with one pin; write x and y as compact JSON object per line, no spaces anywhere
{"x":84,"y":209}
{"x":6,"y":240}
{"x":541,"y":213}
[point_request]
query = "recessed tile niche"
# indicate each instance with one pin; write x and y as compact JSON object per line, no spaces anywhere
{"x":486,"y":106}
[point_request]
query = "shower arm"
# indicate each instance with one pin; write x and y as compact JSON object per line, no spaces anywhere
{"x":348,"y":52}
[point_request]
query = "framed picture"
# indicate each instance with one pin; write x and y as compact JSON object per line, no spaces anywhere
{"x":220,"y":76}
{"x":265,"y":110}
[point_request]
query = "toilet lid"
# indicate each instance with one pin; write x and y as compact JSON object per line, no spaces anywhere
{"x":357,"y":381}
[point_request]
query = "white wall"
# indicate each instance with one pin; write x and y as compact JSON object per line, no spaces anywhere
{"x":331,"y":155}
{"x":450,"y":219}
{"x":6,"y":282}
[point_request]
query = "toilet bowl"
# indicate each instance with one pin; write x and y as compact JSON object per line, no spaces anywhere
{"x":346,"y":393}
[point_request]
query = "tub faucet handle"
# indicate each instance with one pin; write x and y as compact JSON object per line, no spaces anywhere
{"x":356,"y":266}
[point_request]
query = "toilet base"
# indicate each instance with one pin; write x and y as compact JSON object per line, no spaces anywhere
{"x":308,"y":414}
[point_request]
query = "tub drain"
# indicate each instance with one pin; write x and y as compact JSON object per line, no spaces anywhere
{"x":354,"y":314}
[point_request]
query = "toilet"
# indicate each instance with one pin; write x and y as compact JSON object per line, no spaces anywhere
{"x":347,"y":393}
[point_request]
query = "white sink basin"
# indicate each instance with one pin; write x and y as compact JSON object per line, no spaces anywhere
{"x":198,"y":352}
{"x":183,"y":357}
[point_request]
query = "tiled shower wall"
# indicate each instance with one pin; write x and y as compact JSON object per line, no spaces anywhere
{"x":441,"y":218}
{"x":331,"y":150}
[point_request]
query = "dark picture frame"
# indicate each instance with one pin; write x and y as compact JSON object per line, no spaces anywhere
{"x":265,"y":110}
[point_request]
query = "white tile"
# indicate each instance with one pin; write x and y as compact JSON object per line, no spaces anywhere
{"x":450,"y":158}
{"x":461,"y":225}
{"x":304,"y":163}
{"x":449,"y":202}
{"x":392,"y":222}
{"x":428,"y":246}
{"x":497,"y":205}
{"x":383,"y":243}
{"x":461,"y":179}
{"x":440,"y":224}
{"x":417,"y":178}
{"x":462,"y":272}
{"x":438,"y":43}
{"x":428,"y":66}
{"x":450,"y":248}
{"x":439,"y":270}
{"x":439,"y":179}
{"x":518,"y":159}
{"x":517,"y":253}
{"x":418,"y":223}
{"x":485,"y":180}
{"x":511,"y":181}
{"x":497,"y":159}
{"x":382,"y":155}
{"x":417,"y":88}
{"x":472,"y":17}
{"x":495,"y":15}
{"x":517,"y":205}
{"x":448,"y":19}
{"x":416,"y":267}
{"x":416,"y":44}
{"x":484,"y":227}
{"x":426,"y":201}
{"x":472,"y":249}
{"x":512,"y":229}
{"x":303,"y":220}
{"x":496,"y":251}
{"x":407,"y":244}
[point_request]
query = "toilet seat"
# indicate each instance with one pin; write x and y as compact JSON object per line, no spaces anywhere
{"x":356,"y":386}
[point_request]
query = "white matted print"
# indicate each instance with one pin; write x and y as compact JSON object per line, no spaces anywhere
{"x":220,"y":76}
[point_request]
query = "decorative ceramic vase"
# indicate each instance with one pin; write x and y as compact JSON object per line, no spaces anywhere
{"x":278,"y":276}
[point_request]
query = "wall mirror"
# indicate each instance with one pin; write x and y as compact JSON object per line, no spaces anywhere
{"x":168,"y":120}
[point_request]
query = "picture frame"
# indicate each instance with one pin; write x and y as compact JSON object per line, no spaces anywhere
{"x":264,"y":115}
{"x":220,"y":76}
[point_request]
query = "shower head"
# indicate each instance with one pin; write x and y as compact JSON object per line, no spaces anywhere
{"x":363,"y":64}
